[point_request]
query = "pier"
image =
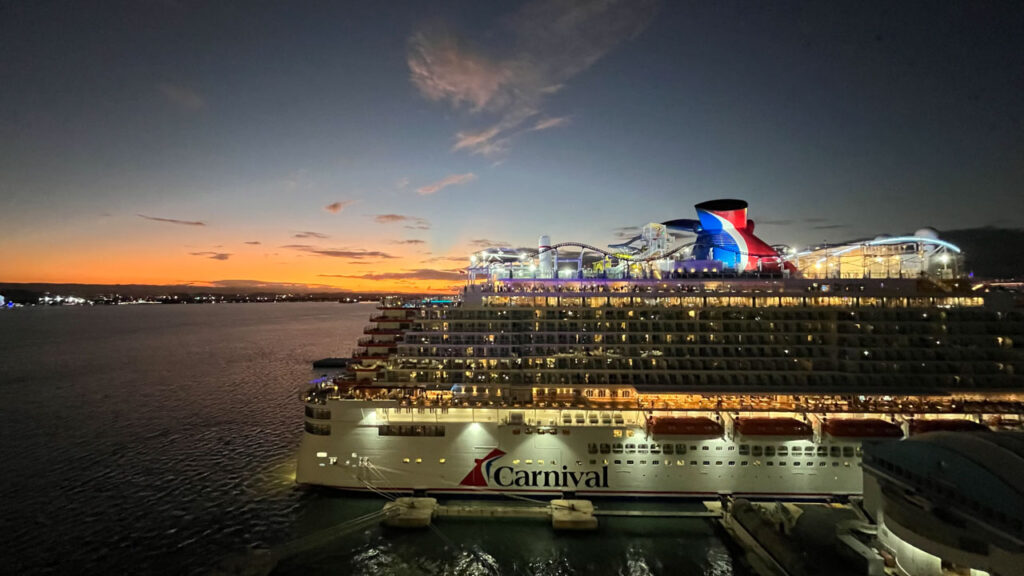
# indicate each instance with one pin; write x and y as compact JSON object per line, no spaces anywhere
{"x":564,"y":514}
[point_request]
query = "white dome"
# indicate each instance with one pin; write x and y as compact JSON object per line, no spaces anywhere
{"x":927,"y":233}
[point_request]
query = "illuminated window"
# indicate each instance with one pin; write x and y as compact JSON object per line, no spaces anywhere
{"x":405,"y":460}
{"x":321,"y":454}
{"x":442,"y":460}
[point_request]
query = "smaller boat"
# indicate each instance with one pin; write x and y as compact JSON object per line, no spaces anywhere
{"x":685,"y":426}
{"x":861,"y":428}
{"x":773,"y":427}
{"x":945,"y":425}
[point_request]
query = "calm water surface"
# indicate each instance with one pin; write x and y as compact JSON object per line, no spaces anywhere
{"x":161,"y":440}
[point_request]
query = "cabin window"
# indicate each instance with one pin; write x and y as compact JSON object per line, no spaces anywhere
{"x":591,"y":448}
{"x":821,"y":464}
{"x":848,"y":451}
{"x":782,"y":462}
{"x":822,"y":451}
{"x":630,"y":448}
{"x":641,"y":447}
{"x":655,"y":462}
{"x":707,"y":463}
{"x":655,"y":449}
{"x":743,"y":463}
{"x":835,"y":451}
{"x":744,"y":449}
{"x":783,"y":451}
{"x":705,"y":447}
{"x":606,"y":448}
{"x":668,"y":449}
{"x":617,"y":448}
{"x":769,"y":450}
{"x":718,"y":462}
{"x":680,"y":448}
{"x":756,"y":451}
{"x":618,"y":461}
{"x":769,"y":463}
{"x":593,"y":462}
{"x":796,"y":463}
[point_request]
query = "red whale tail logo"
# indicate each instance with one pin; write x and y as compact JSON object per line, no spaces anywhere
{"x":476,"y":475}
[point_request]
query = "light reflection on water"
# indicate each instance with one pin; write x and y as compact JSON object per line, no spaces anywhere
{"x":161,"y":440}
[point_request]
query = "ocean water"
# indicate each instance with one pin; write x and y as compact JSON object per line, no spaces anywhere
{"x":158,"y":439}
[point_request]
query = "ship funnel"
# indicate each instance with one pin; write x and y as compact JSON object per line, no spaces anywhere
{"x":545,"y":256}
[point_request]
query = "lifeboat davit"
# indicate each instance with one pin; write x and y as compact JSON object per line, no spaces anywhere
{"x":772,"y":427}
{"x":862,"y":428}
{"x":687,"y":426}
{"x":945,"y":425}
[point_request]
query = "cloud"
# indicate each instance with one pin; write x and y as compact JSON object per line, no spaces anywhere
{"x":829,"y":226}
{"x":308,"y":234}
{"x":548,"y":43}
{"x":547,"y":123}
{"x":356,"y":254}
{"x":336,"y":207}
{"x":626,"y":232}
{"x":212,"y":255}
{"x":450,"y":180}
{"x":182,"y":96}
{"x":254,"y":242}
{"x":270,"y":286}
{"x":485,"y":243}
{"x":459,"y":259}
{"x":412,"y":222}
{"x":408,"y":242}
{"x":419,"y":274}
{"x":173,"y":220}
{"x":402,"y":183}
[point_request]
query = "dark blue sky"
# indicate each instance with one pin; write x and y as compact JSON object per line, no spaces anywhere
{"x":428,"y":129}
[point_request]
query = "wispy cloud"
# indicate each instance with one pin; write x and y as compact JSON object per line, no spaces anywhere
{"x":547,"y":123}
{"x":173,"y":220}
{"x":402,"y":183}
{"x":626,"y":232}
{"x":459,"y":259}
{"x":552,"y":43}
{"x":830,"y":226}
{"x":411,"y":222}
{"x":182,"y":96}
{"x":450,"y":180}
{"x":356,"y":254}
{"x":254,"y":242}
{"x":418,"y":274}
{"x":336,"y":207}
{"x":308,"y":234}
{"x":212,"y":255}
{"x":262,"y":284}
{"x":485,"y":243}
{"x":408,"y":242}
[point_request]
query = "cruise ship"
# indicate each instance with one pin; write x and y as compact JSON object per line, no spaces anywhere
{"x":693,"y":360}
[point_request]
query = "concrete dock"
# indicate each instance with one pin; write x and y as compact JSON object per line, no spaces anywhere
{"x":564,"y":514}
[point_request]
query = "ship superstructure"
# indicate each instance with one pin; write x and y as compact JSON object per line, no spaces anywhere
{"x":718,"y":365}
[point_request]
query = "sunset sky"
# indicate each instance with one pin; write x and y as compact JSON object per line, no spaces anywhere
{"x":373,"y":146}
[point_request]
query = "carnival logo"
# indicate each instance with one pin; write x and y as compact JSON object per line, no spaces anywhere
{"x":484,"y":474}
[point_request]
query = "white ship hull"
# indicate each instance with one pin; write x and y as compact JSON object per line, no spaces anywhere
{"x":480,"y":453}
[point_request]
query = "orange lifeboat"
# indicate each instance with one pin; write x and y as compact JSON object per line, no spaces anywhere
{"x":693,"y":426}
{"x":945,"y":425}
{"x":862,"y":428}
{"x":772,"y":427}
